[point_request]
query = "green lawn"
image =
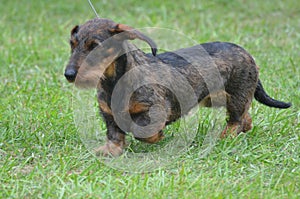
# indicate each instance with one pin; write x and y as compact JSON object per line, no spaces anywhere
{"x":41,"y":153}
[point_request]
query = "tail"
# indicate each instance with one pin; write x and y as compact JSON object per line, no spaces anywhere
{"x":261,"y":96}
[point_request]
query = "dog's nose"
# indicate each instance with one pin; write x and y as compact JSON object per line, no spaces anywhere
{"x":70,"y":75}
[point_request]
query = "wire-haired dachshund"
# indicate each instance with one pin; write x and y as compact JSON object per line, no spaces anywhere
{"x":160,"y":88}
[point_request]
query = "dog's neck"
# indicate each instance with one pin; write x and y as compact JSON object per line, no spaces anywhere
{"x":135,"y":57}
{"x":129,"y":58}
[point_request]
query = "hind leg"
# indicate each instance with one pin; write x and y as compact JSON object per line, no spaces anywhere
{"x":246,"y":122}
{"x":239,"y":119}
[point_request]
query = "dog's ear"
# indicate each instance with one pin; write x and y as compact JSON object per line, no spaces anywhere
{"x":129,"y":33}
{"x":74,"y":30}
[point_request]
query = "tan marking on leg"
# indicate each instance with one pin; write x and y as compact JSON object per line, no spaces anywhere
{"x":104,"y":107}
{"x":246,"y":123}
{"x":152,"y":139}
{"x":138,"y":107}
{"x":110,"y":70}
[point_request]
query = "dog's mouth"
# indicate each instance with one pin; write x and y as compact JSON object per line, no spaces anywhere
{"x":71,"y":81}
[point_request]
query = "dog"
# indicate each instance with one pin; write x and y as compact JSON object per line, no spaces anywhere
{"x":206,"y":73}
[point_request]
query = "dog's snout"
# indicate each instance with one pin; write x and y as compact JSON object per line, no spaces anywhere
{"x":70,"y":74}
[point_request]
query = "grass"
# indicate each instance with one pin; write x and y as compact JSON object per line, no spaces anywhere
{"x":41,"y":153}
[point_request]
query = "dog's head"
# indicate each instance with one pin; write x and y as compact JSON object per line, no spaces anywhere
{"x":95,"y":46}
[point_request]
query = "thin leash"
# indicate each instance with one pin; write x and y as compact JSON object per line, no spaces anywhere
{"x":93,"y":8}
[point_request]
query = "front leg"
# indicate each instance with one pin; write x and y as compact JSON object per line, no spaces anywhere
{"x":153,"y":121}
{"x":115,"y":136}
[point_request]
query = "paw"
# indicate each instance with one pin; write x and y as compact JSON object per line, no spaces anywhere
{"x":247,"y":123}
{"x":109,"y":149}
{"x":247,"y":127}
{"x":230,"y":130}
